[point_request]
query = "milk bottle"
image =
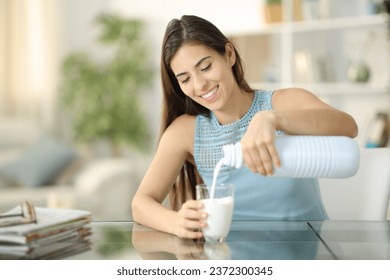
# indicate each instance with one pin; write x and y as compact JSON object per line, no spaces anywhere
{"x":304,"y":156}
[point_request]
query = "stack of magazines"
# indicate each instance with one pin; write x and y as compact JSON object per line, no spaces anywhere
{"x":28,"y":232}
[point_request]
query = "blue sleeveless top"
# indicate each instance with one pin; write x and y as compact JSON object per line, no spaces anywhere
{"x":256,"y":197}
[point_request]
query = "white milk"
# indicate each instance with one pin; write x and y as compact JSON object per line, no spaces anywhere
{"x":215,"y":176}
{"x":220,"y":211}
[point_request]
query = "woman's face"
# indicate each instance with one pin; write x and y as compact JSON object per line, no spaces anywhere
{"x":204,"y":75}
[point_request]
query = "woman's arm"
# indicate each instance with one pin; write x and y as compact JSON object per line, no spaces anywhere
{"x":176,"y":146}
{"x":295,"y":111}
{"x":300,"y":112}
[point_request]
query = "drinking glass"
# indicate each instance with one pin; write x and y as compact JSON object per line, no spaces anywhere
{"x":219,"y":209}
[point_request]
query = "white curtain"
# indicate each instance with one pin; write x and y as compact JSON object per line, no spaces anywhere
{"x":29,"y":60}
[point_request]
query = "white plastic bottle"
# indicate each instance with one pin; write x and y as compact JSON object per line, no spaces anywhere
{"x":308,"y":156}
{"x":232,"y":155}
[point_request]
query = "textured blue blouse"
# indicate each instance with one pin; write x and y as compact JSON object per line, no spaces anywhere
{"x":257,"y":197}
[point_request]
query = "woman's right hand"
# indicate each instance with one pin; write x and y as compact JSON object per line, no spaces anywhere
{"x":258,"y":144}
{"x":190,"y":219}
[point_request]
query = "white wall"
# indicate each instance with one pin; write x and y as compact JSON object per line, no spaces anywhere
{"x":228,"y":15}
{"x":77,"y":28}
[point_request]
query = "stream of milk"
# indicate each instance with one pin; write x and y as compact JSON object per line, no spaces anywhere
{"x":215,"y":176}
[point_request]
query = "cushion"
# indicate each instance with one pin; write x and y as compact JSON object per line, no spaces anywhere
{"x":9,"y":154}
{"x":40,"y":163}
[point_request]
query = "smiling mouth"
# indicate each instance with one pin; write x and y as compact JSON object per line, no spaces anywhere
{"x":210,"y":93}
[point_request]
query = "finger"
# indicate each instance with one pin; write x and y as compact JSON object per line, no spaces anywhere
{"x":193,"y":214}
{"x":192,"y":219}
{"x":248,"y":161}
{"x":256,"y":156}
{"x":252,"y":160}
{"x":274,"y":155}
{"x":266,"y":161}
{"x":193,"y":224}
{"x":193,"y":204}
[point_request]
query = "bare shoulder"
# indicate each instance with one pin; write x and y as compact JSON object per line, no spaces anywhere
{"x":291,"y":93}
{"x":181,"y":133}
{"x":295,"y":98}
{"x":182,"y":126}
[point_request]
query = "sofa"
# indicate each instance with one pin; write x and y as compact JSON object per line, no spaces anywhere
{"x":49,"y":172}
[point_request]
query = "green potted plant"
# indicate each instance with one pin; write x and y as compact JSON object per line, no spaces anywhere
{"x":102,"y":96}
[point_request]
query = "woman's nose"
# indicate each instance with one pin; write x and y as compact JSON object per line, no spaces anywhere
{"x":200,"y":83}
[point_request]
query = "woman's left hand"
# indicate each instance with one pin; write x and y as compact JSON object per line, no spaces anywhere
{"x":258,"y":144}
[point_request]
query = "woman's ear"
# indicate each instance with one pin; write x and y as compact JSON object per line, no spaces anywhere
{"x":230,"y":54}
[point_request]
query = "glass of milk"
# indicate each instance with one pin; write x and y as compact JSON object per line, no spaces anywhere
{"x":218,"y":203}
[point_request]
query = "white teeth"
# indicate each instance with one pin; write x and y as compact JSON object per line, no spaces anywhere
{"x":207,"y":95}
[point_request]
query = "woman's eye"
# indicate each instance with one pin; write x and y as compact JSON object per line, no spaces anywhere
{"x":185,"y":81}
{"x":206,"y":68}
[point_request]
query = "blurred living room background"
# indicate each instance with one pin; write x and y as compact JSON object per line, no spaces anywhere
{"x":80,"y":92}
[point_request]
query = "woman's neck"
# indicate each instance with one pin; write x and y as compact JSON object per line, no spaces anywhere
{"x":237,"y":106}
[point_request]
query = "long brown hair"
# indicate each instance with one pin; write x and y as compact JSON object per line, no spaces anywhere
{"x":189,"y":30}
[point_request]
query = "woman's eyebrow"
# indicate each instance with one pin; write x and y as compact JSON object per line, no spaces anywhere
{"x":196,"y":65}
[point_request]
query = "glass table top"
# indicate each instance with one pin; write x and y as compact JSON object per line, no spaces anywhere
{"x":246,"y":240}
{"x":355,"y":240}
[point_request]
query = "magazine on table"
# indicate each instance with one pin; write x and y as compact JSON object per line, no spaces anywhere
{"x":43,"y":232}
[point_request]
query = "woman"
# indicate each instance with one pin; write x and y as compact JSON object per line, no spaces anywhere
{"x":207,"y":104}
